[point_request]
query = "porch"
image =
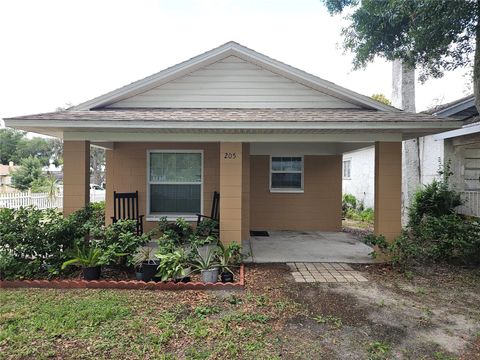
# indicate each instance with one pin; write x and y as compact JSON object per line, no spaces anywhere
{"x":272,"y":186}
{"x":307,"y":246}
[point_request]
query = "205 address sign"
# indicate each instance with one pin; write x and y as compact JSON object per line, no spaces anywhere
{"x":230,"y":155}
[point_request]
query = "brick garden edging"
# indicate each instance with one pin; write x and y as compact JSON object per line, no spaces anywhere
{"x":124,"y":284}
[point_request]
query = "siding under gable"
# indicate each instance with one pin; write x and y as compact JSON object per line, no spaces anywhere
{"x":232,"y":83}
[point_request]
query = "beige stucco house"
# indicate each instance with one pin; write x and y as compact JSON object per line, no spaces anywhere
{"x":267,"y":136}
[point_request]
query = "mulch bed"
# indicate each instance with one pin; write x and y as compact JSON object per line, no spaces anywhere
{"x":125,"y":284}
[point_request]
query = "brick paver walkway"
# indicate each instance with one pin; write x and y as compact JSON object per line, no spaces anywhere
{"x":325,"y":273}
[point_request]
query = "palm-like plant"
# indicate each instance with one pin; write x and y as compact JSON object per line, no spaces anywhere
{"x":85,"y":257}
{"x":206,"y":262}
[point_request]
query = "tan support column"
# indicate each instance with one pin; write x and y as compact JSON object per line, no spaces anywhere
{"x":388,"y":189}
{"x":109,"y":179}
{"x":76,"y":175}
{"x":231,"y":164}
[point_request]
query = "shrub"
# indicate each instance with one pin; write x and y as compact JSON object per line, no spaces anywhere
{"x":119,"y":241}
{"x":34,"y":241}
{"x":435,"y":233}
{"x":349,"y":202}
{"x":435,"y":199}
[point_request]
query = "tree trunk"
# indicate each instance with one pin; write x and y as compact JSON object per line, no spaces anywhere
{"x":476,"y":62}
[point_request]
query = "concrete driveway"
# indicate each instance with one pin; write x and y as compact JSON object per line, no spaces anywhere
{"x":307,"y":246}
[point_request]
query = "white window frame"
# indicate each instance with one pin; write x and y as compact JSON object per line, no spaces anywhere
{"x":350,"y":169}
{"x":173,"y":216}
{"x":287,"y":190}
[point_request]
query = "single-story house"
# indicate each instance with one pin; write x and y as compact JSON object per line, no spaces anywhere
{"x":6,"y":177}
{"x":461,"y":147}
{"x":267,"y":136}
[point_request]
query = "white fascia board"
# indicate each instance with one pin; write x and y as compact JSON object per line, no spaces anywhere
{"x":99,"y":136}
{"x":244,"y":53}
{"x":455,"y":109}
{"x":231,"y":125}
{"x":467,"y":130}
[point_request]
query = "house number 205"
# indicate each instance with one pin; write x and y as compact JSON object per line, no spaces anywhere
{"x":229,"y":155}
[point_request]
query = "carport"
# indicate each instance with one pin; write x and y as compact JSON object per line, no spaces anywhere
{"x":307,"y":246}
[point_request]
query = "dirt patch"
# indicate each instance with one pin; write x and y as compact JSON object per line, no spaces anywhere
{"x":433,"y":313}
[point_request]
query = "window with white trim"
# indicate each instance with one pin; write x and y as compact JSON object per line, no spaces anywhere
{"x":347,"y":169}
{"x":174,"y":182}
{"x":286,"y":173}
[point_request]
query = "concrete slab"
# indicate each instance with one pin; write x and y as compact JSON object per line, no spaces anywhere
{"x":308,"y":246}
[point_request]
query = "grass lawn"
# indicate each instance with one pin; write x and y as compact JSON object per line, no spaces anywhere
{"x":434,"y":314}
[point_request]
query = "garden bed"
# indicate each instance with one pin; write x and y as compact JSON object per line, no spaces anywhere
{"x":125,"y":284}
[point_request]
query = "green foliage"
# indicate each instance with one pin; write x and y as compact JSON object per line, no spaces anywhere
{"x":349,"y":202}
{"x":435,"y":233}
{"x":144,"y":254}
{"x":353,"y":209}
{"x":206,"y":262}
{"x":85,"y":257}
{"x":15,"y":146}
{"x":229,"y":256}
{"x":335,"y":321}
{"x":435,"y":199}
{"x":119,"y":241}
{"x":172,"y":265}
{"x":378,"y":350}
{"x":33,"y":241}
{"x":206,"y":227}
{"x":29,"y":174}
{"x":381,"y":98}
{"x":433,"y":35}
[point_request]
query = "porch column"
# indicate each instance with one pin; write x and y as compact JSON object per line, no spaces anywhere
{"x":109,"y":181}
{"x":388,"y":189}
{"x":231,"y":169}
{"x":76,"y":175}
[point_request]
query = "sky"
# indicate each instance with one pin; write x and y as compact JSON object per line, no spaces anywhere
{"x":54,"y":53}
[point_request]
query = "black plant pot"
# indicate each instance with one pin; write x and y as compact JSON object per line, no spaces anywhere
{"x":139,"y":275}
{"x":227,"y":277}
{"x":149,"y":271}
{"x":92,"y":273}
{"x":185,"y":279}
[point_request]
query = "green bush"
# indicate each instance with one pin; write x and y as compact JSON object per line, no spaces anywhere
{"x":34,"y":243}
{"x":435,"y":233}
{"x":435,"y":199}
{"x":119,"y":241}
{"x":349,"y":202}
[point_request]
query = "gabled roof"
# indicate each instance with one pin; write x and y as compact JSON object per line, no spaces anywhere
{"x":462,"y":108}
{"x":232,"y":49}
{"x":118,"y":116}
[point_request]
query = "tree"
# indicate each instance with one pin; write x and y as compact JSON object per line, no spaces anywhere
{"x":97,"y":164}
{"x":15,"y":146}
{"x":9,"y":140}
{"x":29,"y":174}
{"x":381,"y":98}
{"x":433,"y":36}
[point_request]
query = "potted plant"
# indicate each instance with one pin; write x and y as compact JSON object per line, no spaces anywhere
{"x":173,"y":266}
{"x":208,"y":266}
{"x":204,"y":244}
{"x":89,"y":258}
{"x":143,"y":259}
{"x":229,"y":256}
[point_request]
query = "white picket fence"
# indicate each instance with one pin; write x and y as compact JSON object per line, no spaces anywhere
{"x":41,"y":200}
{"x":471,"y":206}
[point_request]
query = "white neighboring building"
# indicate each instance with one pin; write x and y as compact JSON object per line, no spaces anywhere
{"x":359,"y":175}
{"x":461,"y":146}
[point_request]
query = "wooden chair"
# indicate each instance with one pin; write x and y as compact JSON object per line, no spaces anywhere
{"x":215,"y":213}
{"x":125,"y":207}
